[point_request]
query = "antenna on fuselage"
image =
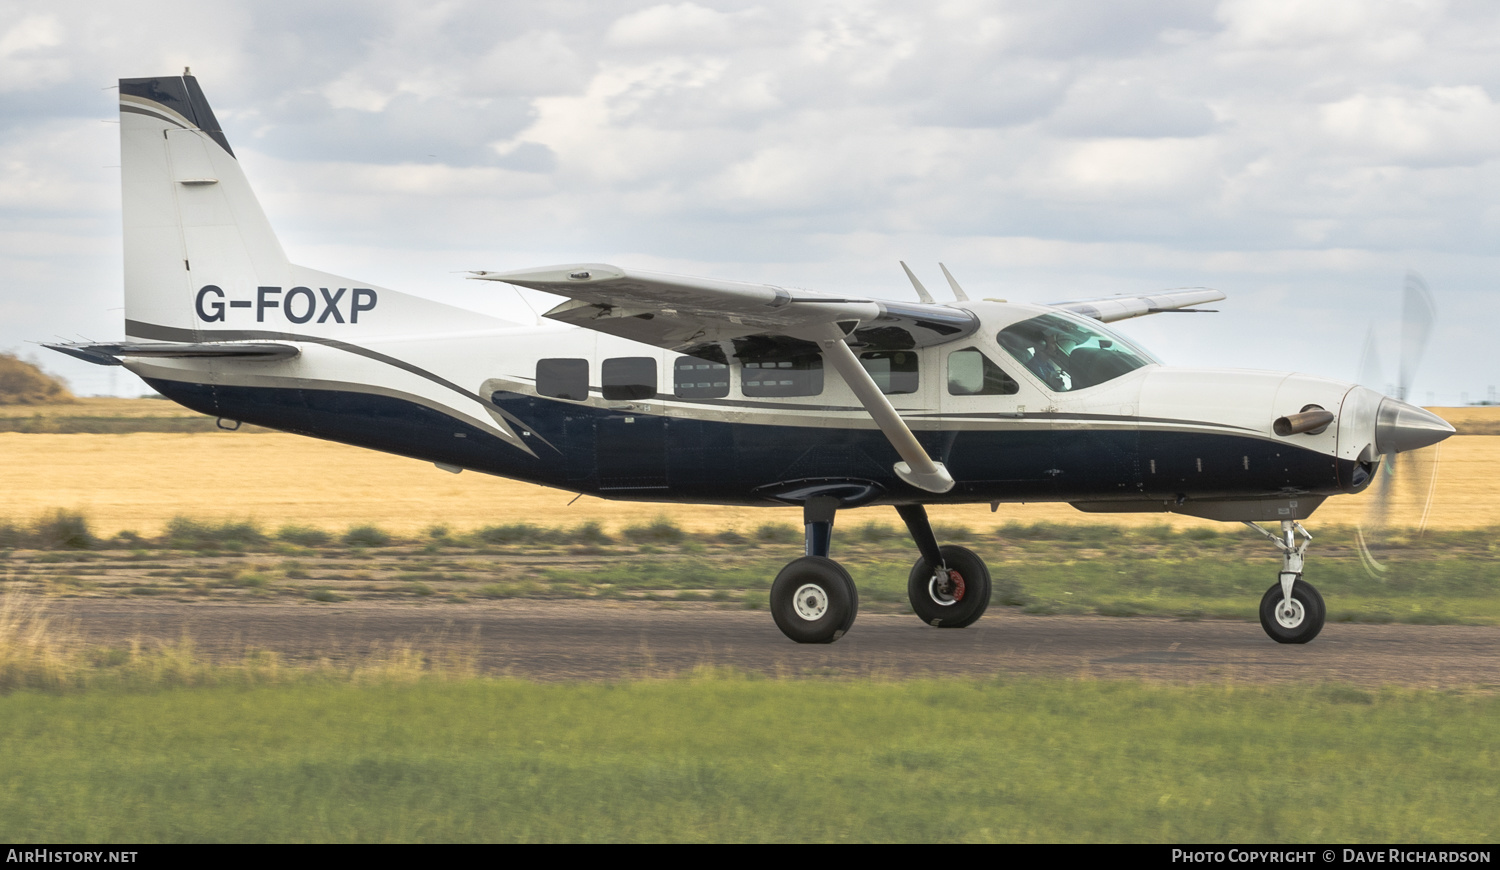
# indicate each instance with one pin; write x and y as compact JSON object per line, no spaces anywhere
{"x":958,"y":292}
{"x":921,"y":291}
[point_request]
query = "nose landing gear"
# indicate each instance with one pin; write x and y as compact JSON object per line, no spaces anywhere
{"x":1291,"y":611}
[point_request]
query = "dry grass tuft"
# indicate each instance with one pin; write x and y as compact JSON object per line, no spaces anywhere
{"x":35,"y":653}
{"x":41,"y":653}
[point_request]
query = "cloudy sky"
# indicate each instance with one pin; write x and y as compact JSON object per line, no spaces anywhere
{"x":1301,"y":157}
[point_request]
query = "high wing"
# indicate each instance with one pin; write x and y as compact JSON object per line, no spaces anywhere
{"x":716,"y":319}
{"x":1108,"y":309}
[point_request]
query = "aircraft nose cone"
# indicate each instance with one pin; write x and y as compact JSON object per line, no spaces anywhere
{"x":1400,"y":427}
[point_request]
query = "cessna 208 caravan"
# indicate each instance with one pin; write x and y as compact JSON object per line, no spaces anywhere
{"x":660,"y":387}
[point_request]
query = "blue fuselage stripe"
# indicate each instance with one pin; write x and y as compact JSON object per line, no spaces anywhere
{"x":630,"y":455}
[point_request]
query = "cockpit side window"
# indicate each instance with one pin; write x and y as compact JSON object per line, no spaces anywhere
{"x":1069,"y":354}
{"x":971,"y":373}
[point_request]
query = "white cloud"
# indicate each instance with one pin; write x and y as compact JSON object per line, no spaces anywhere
{"x":1132,"y":168}
{"x":60,"y":167}
{"x":1290,"y":23}
{"x":1133,"y":107}
{"x":537,"y":62}
{"x":1436,"y":126}
{"x":26,"y":63}
{"x":681,"y":26}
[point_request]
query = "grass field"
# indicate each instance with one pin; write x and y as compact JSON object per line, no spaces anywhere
{"x":1443,"y":576}
{"x":153,"y":744}
{"x":140,"y":481}
{"x":725,"y":758}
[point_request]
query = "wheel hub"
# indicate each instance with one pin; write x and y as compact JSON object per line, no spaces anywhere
{"x":810,"y":602}
{"x":1290,"y":613}
{"x":946,"y":587}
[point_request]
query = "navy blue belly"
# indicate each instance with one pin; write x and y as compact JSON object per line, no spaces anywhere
{"x":628,"y":455}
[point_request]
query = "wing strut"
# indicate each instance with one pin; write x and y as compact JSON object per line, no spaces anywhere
{"x":918,"y":469}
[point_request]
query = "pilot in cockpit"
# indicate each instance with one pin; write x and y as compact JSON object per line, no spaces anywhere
{"x":1047,"y":359}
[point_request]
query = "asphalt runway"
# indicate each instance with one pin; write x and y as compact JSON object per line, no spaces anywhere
{"x":579,"y":640}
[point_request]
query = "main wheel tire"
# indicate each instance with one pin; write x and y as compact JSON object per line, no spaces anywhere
{"x":956,"y":609}
{"x":813,"y":600}
{"x":1305,"y":620}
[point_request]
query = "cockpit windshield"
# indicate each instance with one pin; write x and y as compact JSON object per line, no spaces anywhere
{"x":1070,"y":353}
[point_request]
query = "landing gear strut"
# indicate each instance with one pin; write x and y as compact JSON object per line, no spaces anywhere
{"x":1291,"y":611}
{"x":813,"y":599}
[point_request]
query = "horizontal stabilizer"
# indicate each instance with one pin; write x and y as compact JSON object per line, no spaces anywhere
{"x":109,"y":354}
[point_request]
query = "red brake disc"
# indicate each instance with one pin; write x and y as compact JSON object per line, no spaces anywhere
{"x":956,"y":580}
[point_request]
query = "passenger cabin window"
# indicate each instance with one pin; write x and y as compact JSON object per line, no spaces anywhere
{"x":1070,"y":353}
{"x":629,"y":377}
{"x":563,"y":378}
{"x":971,"y":373}
{"x":894,"y":371}
{"x":694,"y":378}
{"x":800,"y":375}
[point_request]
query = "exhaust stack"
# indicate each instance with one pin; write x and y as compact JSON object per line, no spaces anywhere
{"x":1312,"y":421}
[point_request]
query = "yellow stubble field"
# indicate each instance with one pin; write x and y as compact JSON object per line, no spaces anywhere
{"x":140,"y":481}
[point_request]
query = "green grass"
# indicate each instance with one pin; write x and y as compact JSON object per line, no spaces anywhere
{"x":727,"y":758}
{"x":1200,"y":572}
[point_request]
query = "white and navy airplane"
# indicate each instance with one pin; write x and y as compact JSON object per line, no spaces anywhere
{"x":658,"y":387}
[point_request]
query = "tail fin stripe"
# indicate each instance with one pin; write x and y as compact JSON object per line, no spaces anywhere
{"x":177,"y":96}
{"x":160,"y":116}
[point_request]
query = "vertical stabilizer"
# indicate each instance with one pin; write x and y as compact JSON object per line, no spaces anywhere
{"x":202,"y":262}
{"x":190,"y":216}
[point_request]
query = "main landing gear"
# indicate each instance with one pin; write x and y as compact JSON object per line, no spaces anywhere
{"x":1291,"y":611}
{"x":813,"y":599}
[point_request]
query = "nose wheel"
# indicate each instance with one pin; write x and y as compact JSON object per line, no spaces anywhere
{"x":1291,"y":611}
{"x":1297,"y":619}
